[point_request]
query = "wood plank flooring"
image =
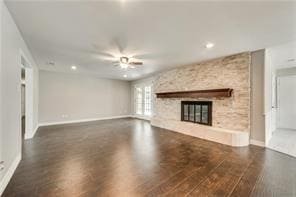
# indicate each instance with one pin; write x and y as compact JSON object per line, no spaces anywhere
{"x":128,"y":157}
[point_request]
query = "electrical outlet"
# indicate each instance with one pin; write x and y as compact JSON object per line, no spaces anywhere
{"x":64,"y":115}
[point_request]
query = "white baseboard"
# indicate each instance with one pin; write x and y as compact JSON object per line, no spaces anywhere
{"x":141,"y":117}
{"x":31,"y":134}
{"x":257,"y":143}
{"x":82,"y":120}
{"x":6,"y":178}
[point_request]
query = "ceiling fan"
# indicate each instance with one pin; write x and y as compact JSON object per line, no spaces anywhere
{"x":116,"y":57}
{"x":124,"y":62}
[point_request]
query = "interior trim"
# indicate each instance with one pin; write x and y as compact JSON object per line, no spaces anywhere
{"x":31,"y":134}
{"x":6,"y":178}
{"x":224,"y":92}
{"x":257,"y":143}
{"x":82,"y":120}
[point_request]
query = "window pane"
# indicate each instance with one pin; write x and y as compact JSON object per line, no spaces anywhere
{"x":197,"y":113}
{"x":147,"y":102}
{"x":191,"y":113}
{"x":204,"y":118}
{"x":139,"y":101}
{"x":185,"y":112}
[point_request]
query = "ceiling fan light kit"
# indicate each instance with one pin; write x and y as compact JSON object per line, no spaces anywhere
{"x":124,"y":63}
{"x":124,"y":66}
{"x":124,"y":60}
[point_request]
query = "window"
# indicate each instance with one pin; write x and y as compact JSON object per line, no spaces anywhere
{"x":147,"y":102}
{"x":143,"y":95}
{"x":197,"y":112}
{"x":139,"y":101}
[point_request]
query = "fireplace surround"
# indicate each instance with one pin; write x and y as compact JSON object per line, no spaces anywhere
{"x":196,"y":82}
{"x":199,"y":112}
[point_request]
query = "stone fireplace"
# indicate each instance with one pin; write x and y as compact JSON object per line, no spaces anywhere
{"x":199,"y":112}
{"x":229,"y":121}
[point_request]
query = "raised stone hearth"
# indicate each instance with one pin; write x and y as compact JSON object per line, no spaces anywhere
{"x":230,"y":115}
{"x":223,"y":136}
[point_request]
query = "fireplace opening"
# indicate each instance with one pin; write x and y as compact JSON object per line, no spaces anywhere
{"x":197,"y":112}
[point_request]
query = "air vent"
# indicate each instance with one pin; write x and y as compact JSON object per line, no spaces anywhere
{"x":50,"y":63}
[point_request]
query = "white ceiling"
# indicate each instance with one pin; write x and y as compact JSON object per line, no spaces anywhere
{"x":161,"y":34}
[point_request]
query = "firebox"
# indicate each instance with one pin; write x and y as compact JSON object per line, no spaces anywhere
{"x":197,"y":112}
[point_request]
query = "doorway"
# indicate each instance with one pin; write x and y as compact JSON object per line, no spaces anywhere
{"x":284,"y":137}
{"x":26,"y":100}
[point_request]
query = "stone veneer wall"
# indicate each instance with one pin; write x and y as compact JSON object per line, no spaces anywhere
{"x":227,"y":72}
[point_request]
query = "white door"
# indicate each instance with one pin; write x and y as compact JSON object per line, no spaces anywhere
{"x":287,"y":102}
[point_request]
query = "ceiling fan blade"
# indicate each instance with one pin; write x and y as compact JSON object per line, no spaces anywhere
{"x":107,"y":59}
{"x":135,"y":63}
{"x":100,"y":51}
{"x":101,"y":54}
{"x":146,"y":56}
{"x":105,"y":55}
{"x":115,"y":63}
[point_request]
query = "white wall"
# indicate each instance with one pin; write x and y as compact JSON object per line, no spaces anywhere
{"x":286,"y":114}
{"x":70,"y":97}
{"x":257,"y":134}
{"x":1,"y":136}
{"x":10,"y":76}
{"x":286,"y":71}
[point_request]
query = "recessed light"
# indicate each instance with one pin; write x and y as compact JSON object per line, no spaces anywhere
{"x":73,"y":67}
{"x":209,"y":45}
{"x":125,"y":76}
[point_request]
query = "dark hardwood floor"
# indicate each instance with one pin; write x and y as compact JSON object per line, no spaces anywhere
{"x":128,"y":157}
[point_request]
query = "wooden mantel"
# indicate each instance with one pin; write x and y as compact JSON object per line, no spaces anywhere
{"x":226,"y":92}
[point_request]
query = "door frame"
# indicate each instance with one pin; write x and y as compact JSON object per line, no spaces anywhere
{"x":29,"y":79}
